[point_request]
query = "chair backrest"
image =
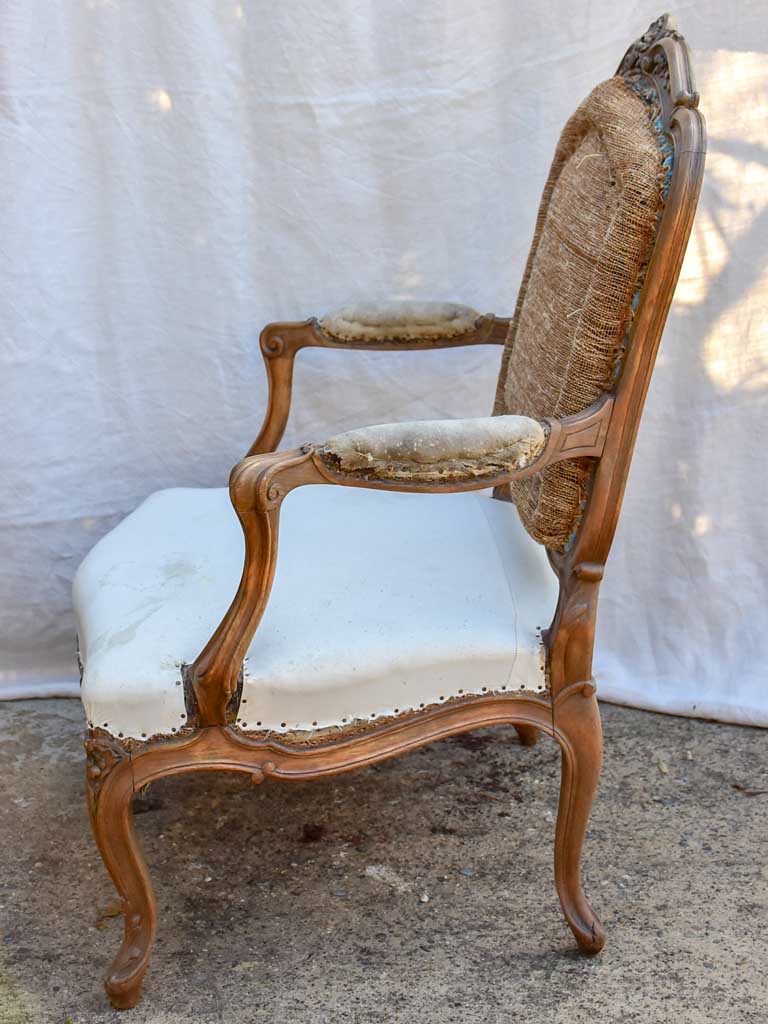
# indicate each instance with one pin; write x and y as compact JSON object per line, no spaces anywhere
{"x":610,"y":236}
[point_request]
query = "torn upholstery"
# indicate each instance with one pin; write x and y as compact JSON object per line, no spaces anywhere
{"x":427,"y":451}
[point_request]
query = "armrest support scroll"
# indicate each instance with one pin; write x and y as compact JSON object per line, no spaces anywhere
{"x":257,"y":487}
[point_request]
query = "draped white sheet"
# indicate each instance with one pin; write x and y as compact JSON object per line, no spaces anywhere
{"x":175,"y":175}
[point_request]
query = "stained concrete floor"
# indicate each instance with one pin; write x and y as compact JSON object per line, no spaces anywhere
{"x":416,"y":891}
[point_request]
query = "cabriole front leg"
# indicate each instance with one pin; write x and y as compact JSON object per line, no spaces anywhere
{"x":110,"y":792}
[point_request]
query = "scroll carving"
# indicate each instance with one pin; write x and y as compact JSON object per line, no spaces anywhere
{"x":661,"y":55}
{"x":272,"y":345}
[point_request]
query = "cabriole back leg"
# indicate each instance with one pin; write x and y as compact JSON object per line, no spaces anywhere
{"x":527,"y":735}
{"x":578,"y":731}
{"x":110,"y":791}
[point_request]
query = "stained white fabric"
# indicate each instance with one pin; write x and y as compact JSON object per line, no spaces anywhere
{"x":175,"y":175}
{"x":381,"y":603}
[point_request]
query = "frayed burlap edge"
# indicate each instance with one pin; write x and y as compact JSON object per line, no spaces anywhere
{"x":551,"y":503}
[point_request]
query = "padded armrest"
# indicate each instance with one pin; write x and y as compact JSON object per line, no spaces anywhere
{"x":433,"y":450}
{"x":399,"y":321}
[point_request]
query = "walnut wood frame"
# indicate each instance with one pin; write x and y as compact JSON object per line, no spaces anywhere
{"x":568,"y":712}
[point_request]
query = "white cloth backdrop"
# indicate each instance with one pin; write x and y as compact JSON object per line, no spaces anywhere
{"x":175,"y":175}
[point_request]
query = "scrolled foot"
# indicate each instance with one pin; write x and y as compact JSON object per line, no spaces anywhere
{"x":586,"y":927}
{"x":125,"y":977}
{"x":122,"y":998}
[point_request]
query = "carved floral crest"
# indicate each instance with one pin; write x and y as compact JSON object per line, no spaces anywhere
{"x":637,"y":57}
{"x":649,"y":57}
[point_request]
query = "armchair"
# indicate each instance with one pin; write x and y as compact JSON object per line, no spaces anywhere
{"x":443,"y":609}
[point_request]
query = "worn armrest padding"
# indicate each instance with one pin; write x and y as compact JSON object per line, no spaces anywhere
{"x":429,"y":450}
{"x":399,"y":321}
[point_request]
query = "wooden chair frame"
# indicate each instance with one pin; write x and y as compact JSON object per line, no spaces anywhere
{"x":568,"y":712}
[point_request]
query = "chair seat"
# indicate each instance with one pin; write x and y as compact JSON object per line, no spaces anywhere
{"x":382,"y":603}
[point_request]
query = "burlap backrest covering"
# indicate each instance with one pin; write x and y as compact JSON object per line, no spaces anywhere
{"x":593,"y":238}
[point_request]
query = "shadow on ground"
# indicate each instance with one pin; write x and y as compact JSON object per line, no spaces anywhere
{"x":419,"y":890}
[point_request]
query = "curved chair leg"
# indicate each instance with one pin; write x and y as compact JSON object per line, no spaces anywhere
{"x":577,"y":730}
{"x":110,"y":791}
{"x":527,"y":735}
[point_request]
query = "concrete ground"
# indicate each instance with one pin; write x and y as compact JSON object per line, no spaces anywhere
{"x":416,"y":891}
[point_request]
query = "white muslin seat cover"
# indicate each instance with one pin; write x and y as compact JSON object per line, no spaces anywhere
{"x":382,"y":603}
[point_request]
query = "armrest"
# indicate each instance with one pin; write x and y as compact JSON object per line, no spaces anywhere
{"x":383,"y":327}
{"x":433,"y":456}
{"x":368,"y":323}
{"x":433,"y":451}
